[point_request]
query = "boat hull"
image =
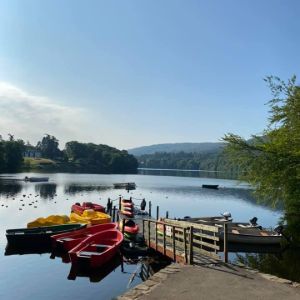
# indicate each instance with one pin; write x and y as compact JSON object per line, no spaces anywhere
{"x":40,"y":236}
{"x":97,"y":249}
{"x":68,"y":240}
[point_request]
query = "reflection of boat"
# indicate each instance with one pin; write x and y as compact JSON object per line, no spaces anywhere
{"x":210,"y":186}
{"x":97,"y":249}
{"x":36,"y":179}
{"x":26,"y":249}
{"x":49,"y":221}
{"x":95,"y":275}
{"x":37,"y":236}
{"x":125,"y":185}
{"x":69,"y":240}
{"x":79,"y":209}
{"x":90,"y":216}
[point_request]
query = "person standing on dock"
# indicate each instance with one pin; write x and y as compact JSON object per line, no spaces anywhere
{"x":143,"y":204}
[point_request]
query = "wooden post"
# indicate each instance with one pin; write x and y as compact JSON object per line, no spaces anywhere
{"x":185,"y":252}
{"x":143,"y":228}
{"x":149,"y":234}
{"x":167,"y":215}
{"x":150,"y":209}
{"x":108,"y":209}
{"x":225,"y":228}
{"x":156,"y":236}
{"x":164,"y":238}
{"x":114,"y":214}
{"x":120,"y":203}
{"x":117,"y":215}
{"x":157,"y":212}
{"x":174,"y":248}
{"x":191,"y":245}
{"x":123,"y":226}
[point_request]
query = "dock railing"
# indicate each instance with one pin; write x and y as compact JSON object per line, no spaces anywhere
{"x":182,"y":241}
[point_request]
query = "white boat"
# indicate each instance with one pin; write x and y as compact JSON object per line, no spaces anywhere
{"x":251,"y":235}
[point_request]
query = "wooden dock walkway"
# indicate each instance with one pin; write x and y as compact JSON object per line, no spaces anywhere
{"x":184,"y":242}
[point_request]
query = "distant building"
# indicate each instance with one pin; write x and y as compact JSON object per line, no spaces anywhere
{"x":32,"y":152}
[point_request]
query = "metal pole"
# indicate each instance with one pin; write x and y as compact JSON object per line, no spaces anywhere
{"x":157,"y":212}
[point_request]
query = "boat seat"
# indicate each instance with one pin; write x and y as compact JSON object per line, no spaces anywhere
{"x":88,"y":253}
{"x":235,"y":231}
{"x":100,"y":245}
{"x":66,"y":239}
{"x":264,"y":233}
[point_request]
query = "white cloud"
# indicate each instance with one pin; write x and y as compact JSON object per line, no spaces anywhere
{"x":29,"y":116}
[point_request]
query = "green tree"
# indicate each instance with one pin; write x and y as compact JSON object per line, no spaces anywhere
{"x":49,"y":147}
{"x":271,"y":163}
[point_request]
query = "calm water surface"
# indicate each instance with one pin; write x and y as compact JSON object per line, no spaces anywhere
{"x":36,"y":276}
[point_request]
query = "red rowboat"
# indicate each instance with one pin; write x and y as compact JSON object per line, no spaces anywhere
{"x":79,"y":209}
{"x":97,"y":249}
{"x":69,"y":240}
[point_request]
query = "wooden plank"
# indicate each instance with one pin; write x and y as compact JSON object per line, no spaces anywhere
{"x":207,"y":236}
{"x":184,"y":245}
{"x":191,"y":245}
{"x":186,"y":224}
{"x":164,"y":238}
{"x":149,"y":232}
{"x":225,"y":242}
{"x":208,"y":245}
{"x":156,"y":236}
{"x":174,"y":243}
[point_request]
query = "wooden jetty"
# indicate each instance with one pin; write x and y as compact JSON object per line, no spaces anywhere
{"x":184,"y":242}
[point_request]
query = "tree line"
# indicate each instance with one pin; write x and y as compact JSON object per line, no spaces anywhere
{"x":210,"y":161}
{"x":76,"y":157}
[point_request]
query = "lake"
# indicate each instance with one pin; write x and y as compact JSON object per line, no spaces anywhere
{"x":36,"y":276}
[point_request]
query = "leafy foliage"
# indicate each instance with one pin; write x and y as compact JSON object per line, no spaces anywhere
{"x":11,"y":154}
{"x":49,"y":147}
{"x":272,"y":162}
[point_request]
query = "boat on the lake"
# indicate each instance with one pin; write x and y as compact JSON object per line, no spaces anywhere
{"x":241,"y":232}
{"x":68,"y":240}
{"x":97,"y":249}
{"x":210,"y":186}
{"x":127,"y":207}
{"x":36,"y":179}
{"x":80,"y":208}
{"x":49,"y":221}
{"x":39,"y":235}
{"x":131,"y":229}
{"x":125,"y":185}
{"x":252,"y":235}
{"x":89,"y":216}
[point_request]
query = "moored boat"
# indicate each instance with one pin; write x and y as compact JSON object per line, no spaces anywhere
{"x":130,"y":230}
{"x":97,"y":249}
{"x":125,"y":185}
{"x":90,"y":216}
{"x":252,"y":235}
{"x":49,"y":221}
{"x":69,"y":240}
{"x":37,"y":236}
{"x":80,"y":208}
{"x":210,"y":186}
{"x":36,"y":179}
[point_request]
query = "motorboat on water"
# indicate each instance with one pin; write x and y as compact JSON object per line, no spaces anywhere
{"x":36,"y":179}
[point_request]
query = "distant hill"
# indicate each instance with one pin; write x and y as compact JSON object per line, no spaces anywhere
{"x":177,"y":147}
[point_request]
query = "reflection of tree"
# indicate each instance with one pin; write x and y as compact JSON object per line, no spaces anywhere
{"x":76,"y":189}
{"x":10,"y":190}
{"x":46,"y":190}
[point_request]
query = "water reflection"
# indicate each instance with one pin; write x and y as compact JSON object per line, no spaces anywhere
{"x":46,"y":190}
{"x":78,"y":189}
{"x":95,"y":275}
{"x":10,"y":188}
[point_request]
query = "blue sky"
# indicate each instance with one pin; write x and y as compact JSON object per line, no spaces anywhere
{"x":133,"y":73}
